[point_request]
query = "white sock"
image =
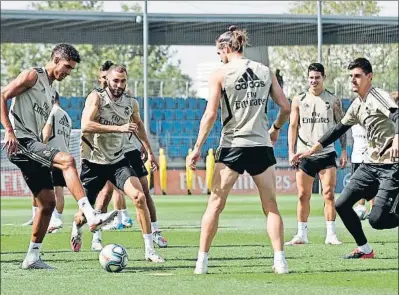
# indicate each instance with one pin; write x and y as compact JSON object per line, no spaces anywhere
{"x":330,"y":228}
{"x":366,"y":248}
{"x":97,"y":236}
{"x":87,"y":209}
{"x":279,"y":256}
{"x":202,"y":257}
{"x":154,"y":226}
{"x":303,"y":229}
{"x":119,"y":217}
{"x":34,"y":210}
{"x":148,"y":243}
{"x":33,"y":252}
{"x":124,"y":214}
{"x":57,"y":215}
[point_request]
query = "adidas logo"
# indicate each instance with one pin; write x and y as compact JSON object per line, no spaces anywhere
{"x":249,"y":80}
{"x":64,"y":121}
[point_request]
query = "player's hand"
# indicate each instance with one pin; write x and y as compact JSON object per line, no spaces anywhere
{"x":274,"y":133}
{"x":10,"y":143}
{"x":128,"y":127}
{"x":291,"y":160}
{"x":343,"y":160}
{"x":193,"y":158}
{"x":144,"y":155}
{"x":299,"y":156}
{"x":153,"y":161}
{"x":395,"y":148}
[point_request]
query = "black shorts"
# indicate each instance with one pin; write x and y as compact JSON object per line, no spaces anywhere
{"x":94,"y":176}
{"x":375,"y":180}
{"x":35,"y":160}
{"x":354,"y":167}
{"x":58,"y":177}
{"x":137,"y":164}
{"x":313,"y":165}
{"x":254,"y":160}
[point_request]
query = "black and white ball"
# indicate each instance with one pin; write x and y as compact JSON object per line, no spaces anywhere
{"x":113,"y":258}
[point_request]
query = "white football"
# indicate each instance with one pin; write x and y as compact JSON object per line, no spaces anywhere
{"x":361,"y":211}
{"x":113,"y":258}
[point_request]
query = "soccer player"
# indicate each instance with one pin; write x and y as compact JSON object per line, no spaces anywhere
{"x":123,"y":219}
{"x":378,"y":175}
{"x":32,"y":97}
{"x":57,"y":133}
{"x":242,"y":87}
{"x":313,"y":113}
{"x":107,"y":115}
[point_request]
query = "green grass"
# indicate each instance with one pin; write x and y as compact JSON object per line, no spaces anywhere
{"x":240,"y":259}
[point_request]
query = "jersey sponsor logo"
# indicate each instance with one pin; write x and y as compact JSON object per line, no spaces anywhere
{"x":115,"y":119}
{"x":250,"y":103}
{"x":43,"y":111}
{"x":249,"y":80}
{"x":315,"y":119}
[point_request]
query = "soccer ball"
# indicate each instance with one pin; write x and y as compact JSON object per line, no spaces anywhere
{"x":361,"y":211}
{"x":113,"y":258}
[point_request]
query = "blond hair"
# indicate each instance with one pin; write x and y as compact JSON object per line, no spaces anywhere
{"x":234,"y":38}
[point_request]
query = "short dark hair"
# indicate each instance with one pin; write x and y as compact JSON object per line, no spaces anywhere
{"x":106,"y":65}
{"x":317,"y":67}
{"x":362,"y":63}
{"x":118,"y":67}
{"x":66,"y":51}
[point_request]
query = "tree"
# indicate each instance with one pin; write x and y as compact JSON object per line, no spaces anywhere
{"x":293,"y":61}
{"x":20,"y":56}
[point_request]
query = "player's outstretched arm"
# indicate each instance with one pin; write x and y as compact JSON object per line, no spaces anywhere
{"x":282,"y":101}
{"x":24,"y":81}
{"x":88,"y":125}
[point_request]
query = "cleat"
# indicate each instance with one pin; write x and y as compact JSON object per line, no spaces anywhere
{"x":361,"y":211}
{"x":38,"y":264}
{"x":332,"y":240}
{"x":113,"y":226}
{"x":154,"y":257}
{"x":76,"y":237}
{"x":297,"y":240}
{"x":96,"y":245}
{"x":201,"y":268}
{"x":357,"y":254}
{"x":54,"y":226}
{"x":280,"y":267}
{"x":159,"y":239}
{"x":127,"y":223}
{"x":28,"y":223}
{"x":102,"y":219}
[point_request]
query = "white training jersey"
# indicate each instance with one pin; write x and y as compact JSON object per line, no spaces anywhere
{"x":61,"y":125}
{"x":359,"y":143}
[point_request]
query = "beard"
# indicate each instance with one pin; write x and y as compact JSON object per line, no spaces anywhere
{"x":116,"y":92}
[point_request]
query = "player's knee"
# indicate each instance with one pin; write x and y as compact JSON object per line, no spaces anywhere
{"x":69,"y":161}
{"x":139,"y":200}
{"x":48,"y":207}
{"x":376,"y":219}
{"x":303,"y":197}
{"x":217,"y":204}
{"x":328,"y":193}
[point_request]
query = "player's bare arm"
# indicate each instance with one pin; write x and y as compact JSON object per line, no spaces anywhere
{"x":210,"y":115}
{"x":90,"y":110}
{"x":338,"y":115}
{"x":284,"y":113}
{"x":24,"y":81}
{"x":47,"y":132}
{"x":142,"y":135}
{"x":293,"y":128}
